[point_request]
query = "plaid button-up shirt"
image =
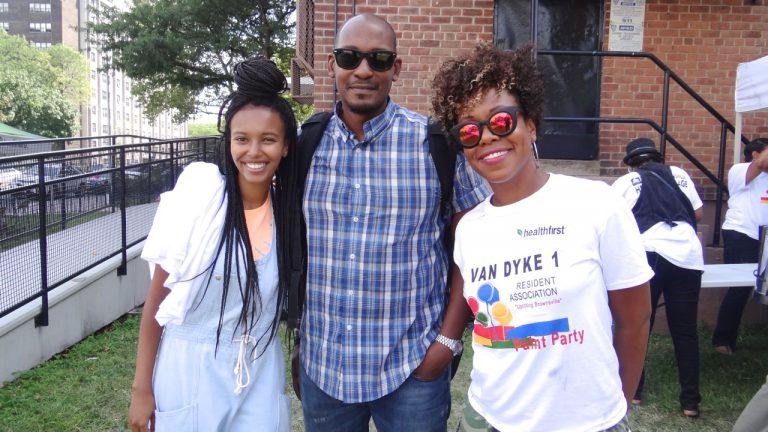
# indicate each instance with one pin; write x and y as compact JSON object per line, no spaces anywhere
{"x":377,"y":265}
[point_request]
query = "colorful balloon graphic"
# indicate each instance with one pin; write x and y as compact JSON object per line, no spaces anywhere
{"x":482,"y":319}
{"x":501,"y":313}
{"x":488,"y":293}
{"x":473,"y":305}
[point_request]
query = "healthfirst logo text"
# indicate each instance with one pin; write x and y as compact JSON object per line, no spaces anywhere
{"x":541,"y":231}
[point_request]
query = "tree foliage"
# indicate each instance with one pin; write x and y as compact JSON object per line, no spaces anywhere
{"x":202,"y":129}
{"x":180,"y":53}
{"x":41,"y":90}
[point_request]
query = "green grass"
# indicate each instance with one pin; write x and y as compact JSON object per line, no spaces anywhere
{"x":87,"y":388}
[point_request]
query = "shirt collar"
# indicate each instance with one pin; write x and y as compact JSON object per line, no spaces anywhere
{"x":373,"y":127}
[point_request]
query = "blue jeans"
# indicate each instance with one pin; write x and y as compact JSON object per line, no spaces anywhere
{"x":737,"y":248}
{"x":415,"y":406}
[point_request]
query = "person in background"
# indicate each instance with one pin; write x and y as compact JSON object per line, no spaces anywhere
{"x":208,"y":356}
{"x":552,"y":266}
{"x":377,"y":338}
{"x":667,"y":207}
{"x":747,"y":211}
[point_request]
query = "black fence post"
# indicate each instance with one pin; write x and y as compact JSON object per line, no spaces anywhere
{"x":123,"y":269}
{"x":41,"y":320}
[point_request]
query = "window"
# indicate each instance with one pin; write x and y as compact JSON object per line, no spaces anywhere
{"x":105,"y":129}
{"x":3,"y":7}
{"x":93,"y":110}
{"x":104,"y":94}
{"x":93,"y":128}
{"x":40,"y":27}
{"x":4,"y":25}
{"x":40,"y":7}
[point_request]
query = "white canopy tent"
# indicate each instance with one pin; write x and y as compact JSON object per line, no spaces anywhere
{"x":751,"y":95}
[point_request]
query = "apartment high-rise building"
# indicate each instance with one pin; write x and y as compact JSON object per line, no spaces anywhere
{"x":112,"y":110}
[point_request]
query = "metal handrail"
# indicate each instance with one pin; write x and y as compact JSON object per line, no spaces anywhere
{"x":669,"y":74}
{"x":170,"y":153}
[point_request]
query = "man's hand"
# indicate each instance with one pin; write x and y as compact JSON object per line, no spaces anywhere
{"x":438,"y":358}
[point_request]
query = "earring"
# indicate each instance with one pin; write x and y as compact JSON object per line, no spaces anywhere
{"x":535,"y":151}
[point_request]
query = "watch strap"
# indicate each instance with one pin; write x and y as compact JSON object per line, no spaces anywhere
{"x":454,"y":345}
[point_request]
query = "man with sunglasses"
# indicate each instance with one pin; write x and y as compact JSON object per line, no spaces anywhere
{"x":378,"y":332}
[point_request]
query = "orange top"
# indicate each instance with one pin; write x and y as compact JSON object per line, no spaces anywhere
{"x":259,"y":222}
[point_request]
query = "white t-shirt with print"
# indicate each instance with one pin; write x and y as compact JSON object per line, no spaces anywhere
{"x":537,"y":275}
{"x":747,"y":203}
{"x":679,"y":244}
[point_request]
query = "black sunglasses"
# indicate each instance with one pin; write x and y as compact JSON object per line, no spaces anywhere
{"x":501,"y":122}
{"x":380,"y":61}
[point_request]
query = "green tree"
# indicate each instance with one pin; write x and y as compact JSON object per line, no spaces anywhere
{"x":41,"y":90}
{"x":180,"y":53}
{"x":202,"y":129}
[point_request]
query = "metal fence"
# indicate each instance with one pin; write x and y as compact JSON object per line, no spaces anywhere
{"x":65,"y":212}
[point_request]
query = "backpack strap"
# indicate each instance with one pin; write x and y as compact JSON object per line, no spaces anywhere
{"x":301,"y":159}
{"x":311,"y":133}
{"x":444,"y":157}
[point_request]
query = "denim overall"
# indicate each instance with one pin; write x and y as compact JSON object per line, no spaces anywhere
{"x":200,"y":389}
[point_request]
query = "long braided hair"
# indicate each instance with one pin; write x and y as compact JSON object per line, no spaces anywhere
{"x":259,"y":83}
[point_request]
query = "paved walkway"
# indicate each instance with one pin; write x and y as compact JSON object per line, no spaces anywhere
{"x":69,"y":251}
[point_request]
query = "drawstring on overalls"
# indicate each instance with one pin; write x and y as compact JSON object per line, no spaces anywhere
{"x":241,"y":364}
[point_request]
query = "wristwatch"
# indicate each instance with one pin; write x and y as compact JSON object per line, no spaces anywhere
{"x":454,"y":345}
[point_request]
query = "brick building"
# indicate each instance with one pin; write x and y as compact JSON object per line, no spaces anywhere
{"x":701,"y":42}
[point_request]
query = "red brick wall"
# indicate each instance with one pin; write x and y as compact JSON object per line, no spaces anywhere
{"x":702,"y":41}
{"x":428,"y":32}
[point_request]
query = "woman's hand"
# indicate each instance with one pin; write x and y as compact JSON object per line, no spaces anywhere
{"x":141,"y":414}
{"x":438,"y":358}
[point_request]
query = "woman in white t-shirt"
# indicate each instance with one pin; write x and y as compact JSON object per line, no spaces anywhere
{"x":208,"y":356}
{"x":548,"y":263}
{"x":747,"y":211}
{"x":667,"y":207}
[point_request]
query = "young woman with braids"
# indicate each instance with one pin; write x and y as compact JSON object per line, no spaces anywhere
{"x":208,"y":356}
{"x":547,"y":264}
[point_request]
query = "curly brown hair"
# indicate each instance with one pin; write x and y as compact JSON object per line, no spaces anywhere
{"x":460,"y":82}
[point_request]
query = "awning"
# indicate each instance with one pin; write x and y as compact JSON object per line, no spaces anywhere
{"x":751,"y":95}
{"x":9,"y":133}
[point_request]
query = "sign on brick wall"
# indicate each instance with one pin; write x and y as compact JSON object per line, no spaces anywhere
{"x":625,"y":32}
